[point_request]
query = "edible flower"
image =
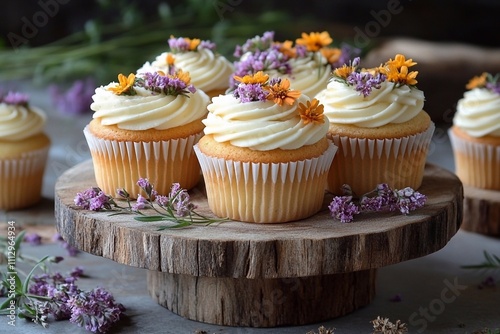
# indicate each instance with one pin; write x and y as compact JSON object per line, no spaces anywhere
{"x":168,"y":84}
{"x":365,"y":80}
{"x":15,"y":98}
{"x":258,"y":87}
{"x":311,"y":112}
{"x":279,"y":91}
{"x":184,"y":44}
{"x":315,"y":40}
{"x":485,"y":80}
{"x":397,"y":71}
{"x":125,"y":85}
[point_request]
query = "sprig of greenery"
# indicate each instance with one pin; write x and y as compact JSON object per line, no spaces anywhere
{"x":491,"y":262}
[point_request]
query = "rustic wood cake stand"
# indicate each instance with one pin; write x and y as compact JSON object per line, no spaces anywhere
{"x":263,"y":275}
{"x":481,"y":211}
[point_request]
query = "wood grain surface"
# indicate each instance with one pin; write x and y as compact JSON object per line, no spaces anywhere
{"x":310,"y":247}
{"x":482,"y":211}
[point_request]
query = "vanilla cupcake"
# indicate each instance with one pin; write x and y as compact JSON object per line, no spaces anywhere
{"x":307,"y":64}
{"x":24,"y":152}
{"x":209,"y":70}
{"x":265,"y":156}
{"x":378,"y":122}
{"x":146,"y":127}
{"x":475,"y":134}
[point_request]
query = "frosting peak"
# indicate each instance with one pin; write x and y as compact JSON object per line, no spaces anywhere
{"x":478,"y":113}
{"x":20,"y":121}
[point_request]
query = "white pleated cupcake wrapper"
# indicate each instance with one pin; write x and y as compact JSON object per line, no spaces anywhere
{"x":483,"y":152}
{"x":377,"y":148}
{"x":267,"y":172}
{"x":151,"y":150}
{"x":28,"y":164}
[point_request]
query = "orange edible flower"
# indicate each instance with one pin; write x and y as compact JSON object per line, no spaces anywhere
{"x":400,"y":61}
{"x":287,"y":49}
{"x":124,"y":84}
{"x":332,"y":55}
{"x":315,"y":40}
{"x":312,"y":112}
{"x":170,"y":59}
{"x":256,"y":78}
{"x":184,"y":76}
{"x":477,"y":81}
{"x":281,"y":93}
{"x":400,"y":75}
{"x":193,"y":43}
{"x":344,"y":71}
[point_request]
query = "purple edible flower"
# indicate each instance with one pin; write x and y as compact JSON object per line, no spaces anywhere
{"x":257,"y":43}
{"x":342,"y":208}
{"x":364,"y":82}
{"x":384,"y":199}
{"x":169,"y":85}
{"x":178,"y":44}
{"x":409,"y":200}
{"x":180,"y":200}
{"x":15,"y":98}
{"x":348,"y":52}
{"x":75,"y":100}
{"x":250,"y":93}
{"x":209,"y":45}
{"x":494,"y":87}
{"x":33,"y":239}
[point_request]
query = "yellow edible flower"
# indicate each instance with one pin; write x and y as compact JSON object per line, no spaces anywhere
{"x":125,"y":84}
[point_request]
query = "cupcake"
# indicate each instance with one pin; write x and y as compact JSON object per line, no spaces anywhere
{"x":24,"y":152}
{"x":378,"y":122}
{"x":307,"y":64}
{"x":145,"y":127}
{"x":209,"y":70}
{"x":475,"y":134}
{"x":265,"y":156}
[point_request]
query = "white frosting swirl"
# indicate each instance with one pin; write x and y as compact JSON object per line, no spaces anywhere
{"x":389,"y":104}
{"x":261,"y":126}
{"x":478,"y":113}
{"x":147,"y":110}
{"x":208,"y":71}
{"x":18,"y":122}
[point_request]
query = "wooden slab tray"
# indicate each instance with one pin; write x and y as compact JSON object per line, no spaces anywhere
{"x":263,"y":275}
{"x":481,"y":211}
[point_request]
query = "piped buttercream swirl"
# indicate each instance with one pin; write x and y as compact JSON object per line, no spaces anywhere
{"x":208,"y":70}
{"x":18,"y":122}
{"x":478,"y":113}
{"x":147,"y":110}
{"x":389,"y":104}
{"x":261,"y":125}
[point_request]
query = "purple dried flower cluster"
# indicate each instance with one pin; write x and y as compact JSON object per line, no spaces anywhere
{"x":15,"y":98}
{"x":93,"y":199}
{"x":342,"y":208}
{"x":33,"y":239}
{"x":76,"y":99}
{"x":181,"y":44}
{"x":72,"y":251}
{"x":250,"y":92}
{"x":175,"y":207}
{"x":493,"y":86}
{"x":364,"y":82}
{"x":382,"y":198}
{"x":267,"y":60}
{"x":348,"y":52}
{"x":94,"y":310}
{"x":166,"y":84}
{"x":258,"y":43}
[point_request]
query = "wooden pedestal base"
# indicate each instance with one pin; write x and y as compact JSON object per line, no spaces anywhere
{"x":262,"y":275}
{"x":263,"y":302}
{"x":482,"y":211}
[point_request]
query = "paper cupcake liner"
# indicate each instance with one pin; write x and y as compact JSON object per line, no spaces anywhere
{"x":21,"y":179}
{"x":476,"y":164}
{"x":265,"y":192}
{"x":119,"y":164}
{"x":363,"y":163}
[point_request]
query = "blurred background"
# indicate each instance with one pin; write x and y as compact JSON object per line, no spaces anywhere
{"x":60,"y":41}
